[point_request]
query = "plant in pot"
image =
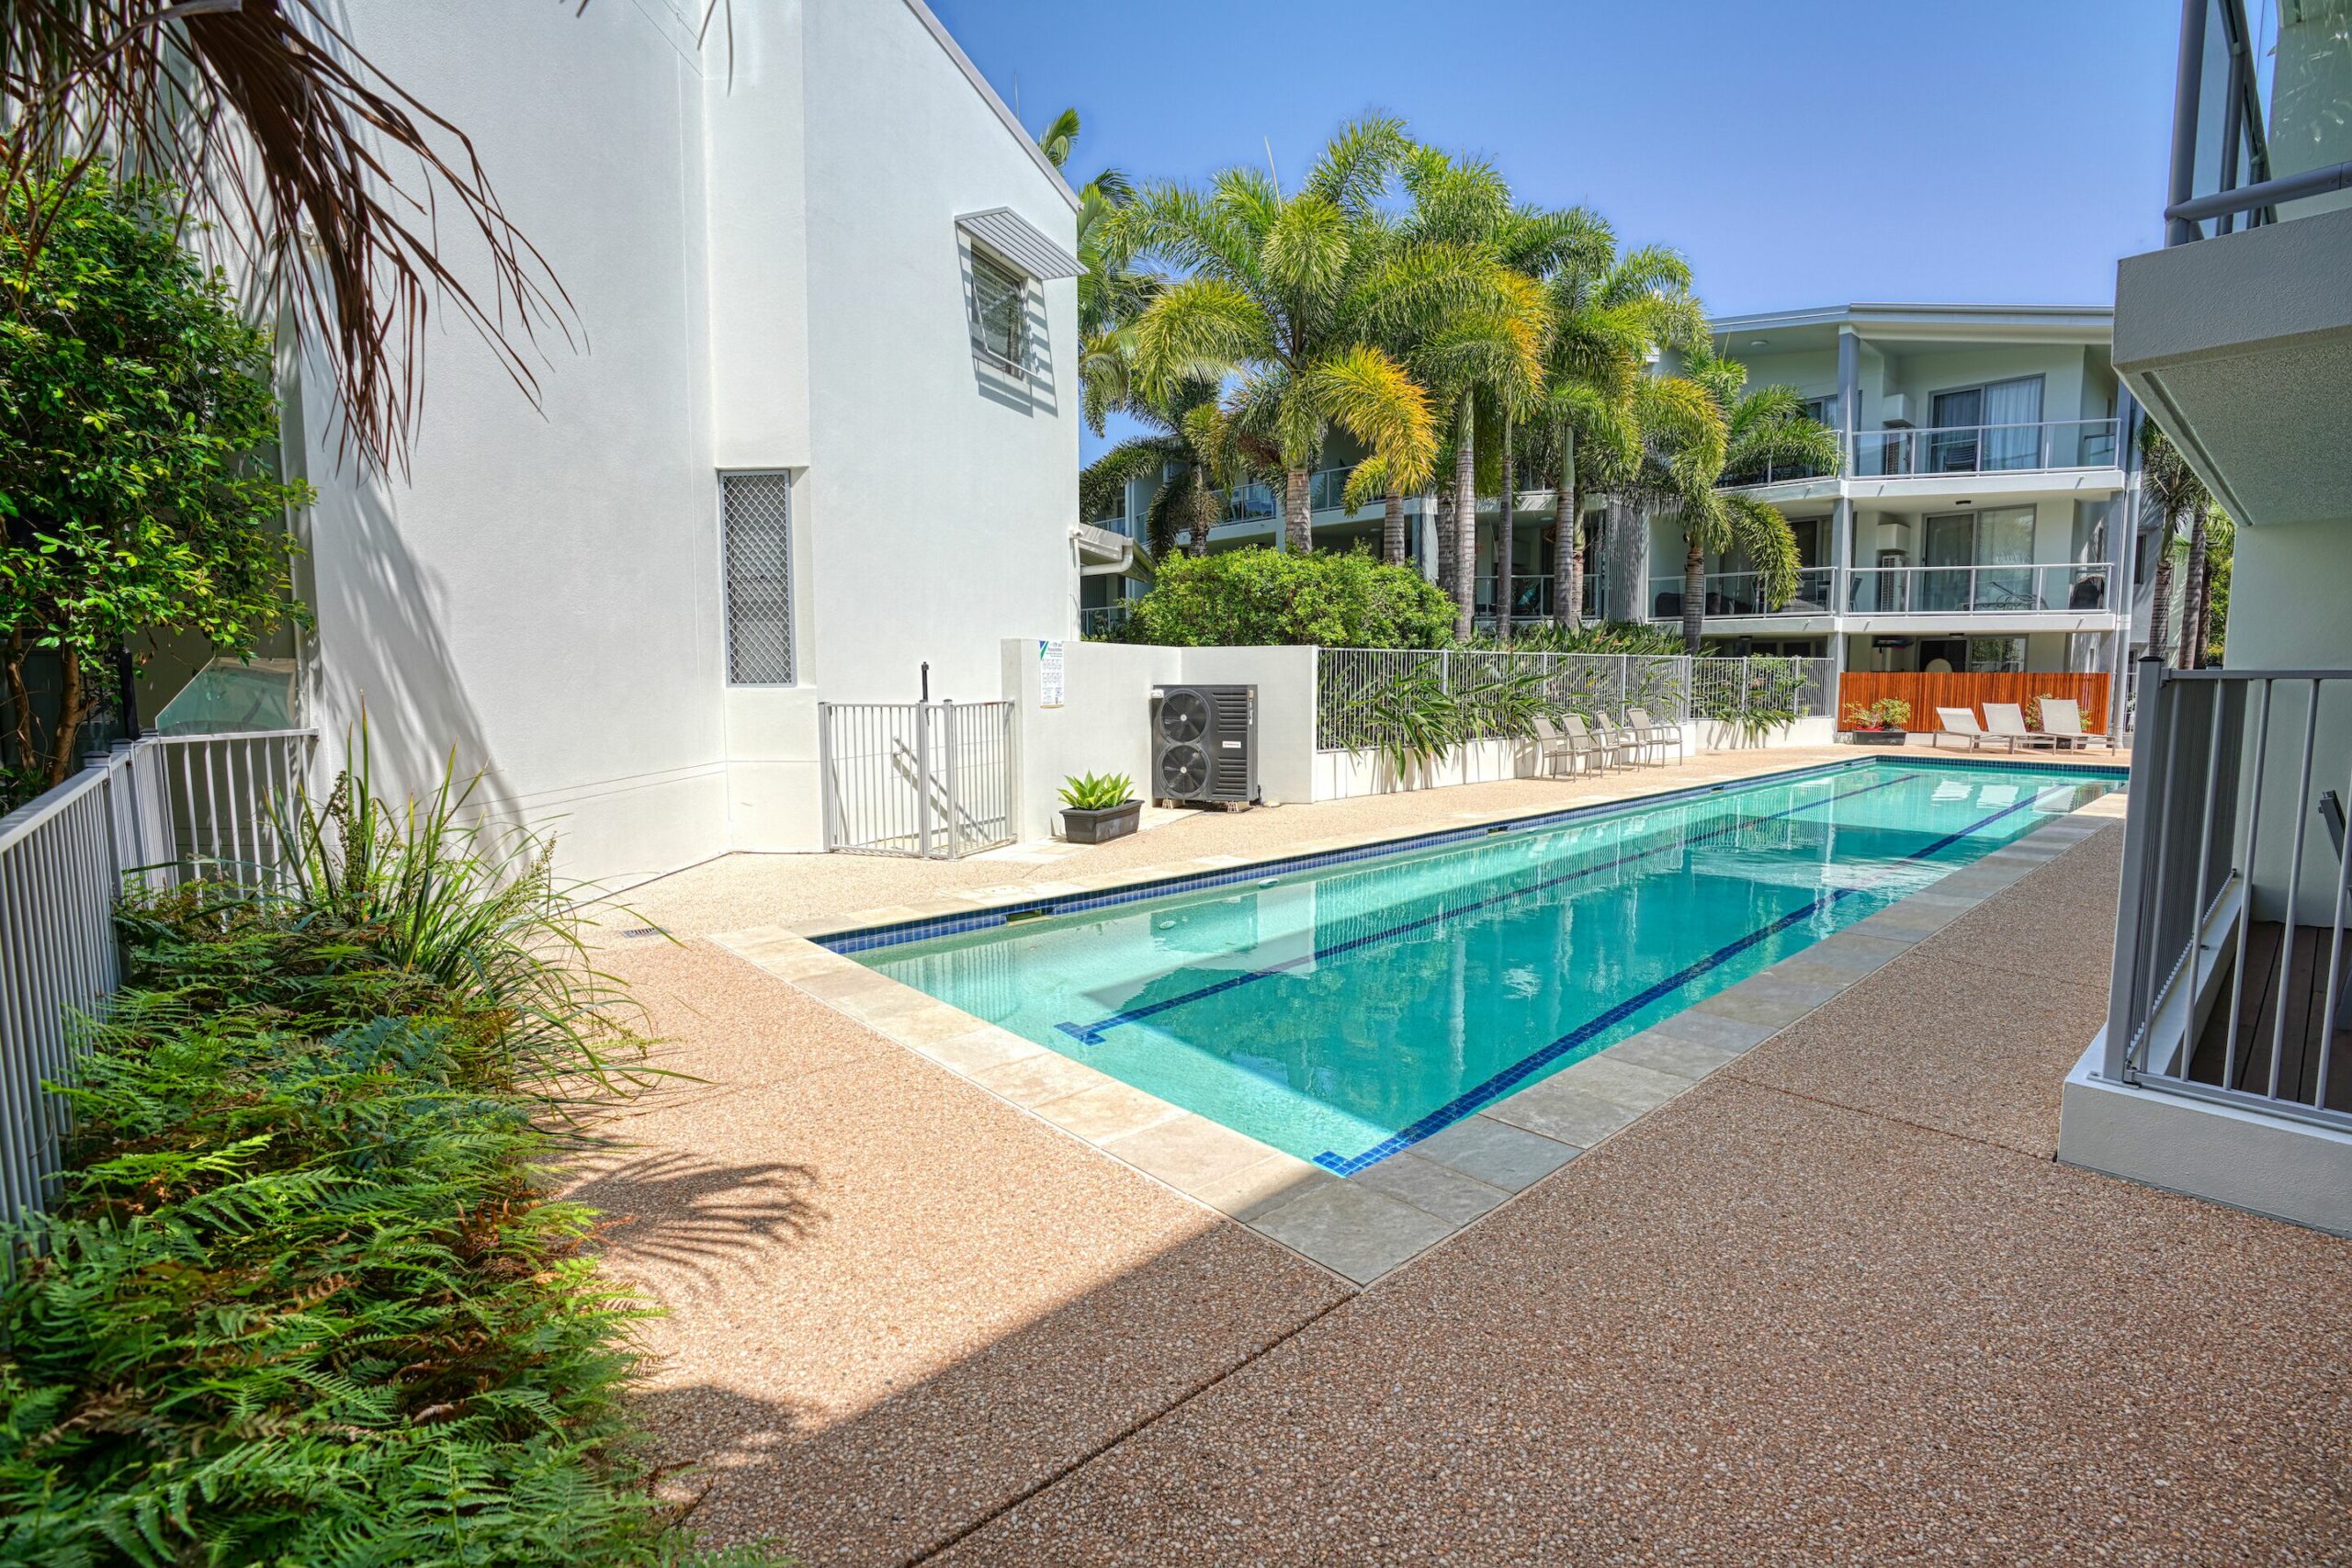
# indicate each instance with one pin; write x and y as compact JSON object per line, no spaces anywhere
{"x":1099,"y":807}
{"x":1882,"y":723}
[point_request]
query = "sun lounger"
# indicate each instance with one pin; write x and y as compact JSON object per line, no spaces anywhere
{"x":1962,"y":722}
{"x":2062,"y":720}
{"x":2007,"y":721}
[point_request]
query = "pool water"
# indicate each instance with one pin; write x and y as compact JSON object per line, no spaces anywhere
{"x":1343,"y":1011}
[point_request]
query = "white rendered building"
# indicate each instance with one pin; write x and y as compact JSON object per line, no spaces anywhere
{"x":820,"y":430}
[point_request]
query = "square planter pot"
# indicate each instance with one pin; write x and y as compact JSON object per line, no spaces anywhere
{"x":1101,"y":827}
{"x":1878,"y":736}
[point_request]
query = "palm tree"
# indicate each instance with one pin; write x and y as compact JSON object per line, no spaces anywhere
{"x":1111,"y":291}
{"x":1484,"y":339}
{"x":1190,"y":450}
{"x":1610,"y":316}
{"x":2173,"y":492}
{"x":328,"y":182}
{"x":1287,"y":290}
{"x":1729,"y":428}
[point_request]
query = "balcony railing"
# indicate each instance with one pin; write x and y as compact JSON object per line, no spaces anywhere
{"x":1741,"y":593}
{"x":2225,"y":152}
{"x":1326,"y":492}
{"x":1771,"y":471}
{"x":2230,"y":978}
{"x":1103,"y":620}
{"x":1975,"y":590}
{"x":1533,"y":595}
{"x":1985,"y":448}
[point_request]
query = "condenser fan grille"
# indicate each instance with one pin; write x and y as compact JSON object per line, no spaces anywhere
{"x":1183,"y":717}
{"x":1184,"y":768}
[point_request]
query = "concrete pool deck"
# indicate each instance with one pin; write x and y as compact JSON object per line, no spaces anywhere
{"x":1836,"y":1302}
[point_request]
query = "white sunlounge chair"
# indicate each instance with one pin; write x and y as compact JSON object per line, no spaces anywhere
{"x":2008,"y":719}
{"x":1962,"y":722}
{"x":2062,"y":720}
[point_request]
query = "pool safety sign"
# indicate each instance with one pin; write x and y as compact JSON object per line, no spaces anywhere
{"x":1049,"y":674}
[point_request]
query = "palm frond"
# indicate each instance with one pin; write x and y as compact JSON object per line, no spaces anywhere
{"x":288,"y":144}
{"x":1059,"y":138}
{"x":1201,"y":328}
{"x":1373,"y":399}
{"x":1354,"y":171}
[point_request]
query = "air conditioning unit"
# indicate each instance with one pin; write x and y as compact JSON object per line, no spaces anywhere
{"x":1895,"y":409}
{"x":1205,"y":745}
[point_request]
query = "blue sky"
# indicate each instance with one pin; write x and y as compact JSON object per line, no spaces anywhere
{"x":1804,"y":152}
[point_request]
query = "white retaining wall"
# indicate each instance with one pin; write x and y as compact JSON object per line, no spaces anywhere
{"x":1104,"y":725}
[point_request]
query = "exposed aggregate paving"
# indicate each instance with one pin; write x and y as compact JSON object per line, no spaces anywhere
{"x":1837,"y":1305}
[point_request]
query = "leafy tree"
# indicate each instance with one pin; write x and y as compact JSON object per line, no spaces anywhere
{"x":1477,"y":347}
{"x":1263,"y":598}
{"x":136,"y":420}
{"x":1287,"y":290}
{"x":1111,"y":291}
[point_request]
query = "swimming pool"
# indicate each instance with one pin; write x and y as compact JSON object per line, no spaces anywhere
{"x":1343,"y":1006}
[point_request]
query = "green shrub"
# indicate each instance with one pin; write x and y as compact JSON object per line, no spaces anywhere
{"x":1592,"y":637}
{"x":302,"y":1297}
{"x":1261,"y":597}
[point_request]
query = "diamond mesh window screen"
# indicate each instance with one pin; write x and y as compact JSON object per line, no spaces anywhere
{"x":758,"y":520}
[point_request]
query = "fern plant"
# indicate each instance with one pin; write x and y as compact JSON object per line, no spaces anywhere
{"x":303,"y":1296}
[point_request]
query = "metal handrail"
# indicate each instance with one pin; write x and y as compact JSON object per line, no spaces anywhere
{"x":2224,"y":763}
{"x":2027,"y":447}
{"x":1983,"y":588}
{"x":2241,"y":126}
{"x":1728,"y":592}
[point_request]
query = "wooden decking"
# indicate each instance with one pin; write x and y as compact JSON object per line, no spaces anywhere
{"x":2304,"y":999}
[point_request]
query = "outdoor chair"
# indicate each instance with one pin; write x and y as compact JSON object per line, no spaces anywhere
{"x":2062,"y":720}
{"x":1553,"y":747}
{"x":2008,"y":719}
{"x":1629,"y":745}
{"x":1962,"y":722}
{"x":1595,"y":748}
{"x":1659,"y":735}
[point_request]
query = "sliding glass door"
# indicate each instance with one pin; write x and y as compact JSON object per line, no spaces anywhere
{"x":1994,"y":426}
{"x":1978,"y":560}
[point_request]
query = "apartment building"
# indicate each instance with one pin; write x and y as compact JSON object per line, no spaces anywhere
{"x":1980,"y":521}
{"x":2225,"y":1068}
{"x":814,"y":439}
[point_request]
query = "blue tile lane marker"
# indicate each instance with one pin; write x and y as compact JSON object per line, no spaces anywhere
{"x":1511,"y":1077}
{"x":1092,"y":1034}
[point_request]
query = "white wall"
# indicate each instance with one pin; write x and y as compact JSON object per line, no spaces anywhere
{"x":1104,"y":724}
{"x":765,"y":273}
{"x":2289,"y":586}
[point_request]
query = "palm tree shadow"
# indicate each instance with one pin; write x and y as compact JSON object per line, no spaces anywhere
{"x":679,"y":1211}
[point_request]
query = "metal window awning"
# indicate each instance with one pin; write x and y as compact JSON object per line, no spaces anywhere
{"x":1013,"y":239}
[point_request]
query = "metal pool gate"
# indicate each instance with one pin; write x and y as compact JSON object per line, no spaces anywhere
{"x":932,"y":780}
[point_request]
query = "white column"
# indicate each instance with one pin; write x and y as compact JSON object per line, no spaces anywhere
{"x":1841,"y":529}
